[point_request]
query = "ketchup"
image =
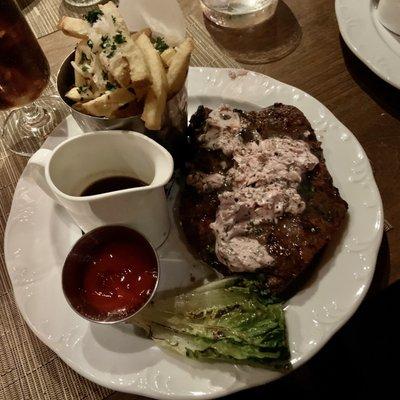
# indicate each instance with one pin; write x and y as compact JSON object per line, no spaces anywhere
{"x":110,"y":273}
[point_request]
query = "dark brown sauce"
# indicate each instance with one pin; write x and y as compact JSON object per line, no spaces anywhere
{"x":112,"y":184}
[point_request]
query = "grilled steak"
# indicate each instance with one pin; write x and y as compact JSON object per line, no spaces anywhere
{"x":258,"y":196}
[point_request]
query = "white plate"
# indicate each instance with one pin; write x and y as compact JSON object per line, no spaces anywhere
{"x":39,"y":235}
{"x":369,"y":40}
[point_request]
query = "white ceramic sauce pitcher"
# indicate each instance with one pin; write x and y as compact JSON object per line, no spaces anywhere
{"x":65,"y":172}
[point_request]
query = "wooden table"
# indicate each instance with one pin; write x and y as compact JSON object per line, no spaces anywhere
{"x":323,"y":66}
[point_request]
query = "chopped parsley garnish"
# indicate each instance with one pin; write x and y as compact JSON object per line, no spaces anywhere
{"x":160,"y":45}
{"x":105,"y":41}
{"x":119,"y":38}
{"x":85,"y":68}
{"x":93,"y":16}
{"x":107,"y":45}
{"x":114,"y":19}
{"x":110,"y":86}
{"x":90,"y":43}
{"x":82,"y":89}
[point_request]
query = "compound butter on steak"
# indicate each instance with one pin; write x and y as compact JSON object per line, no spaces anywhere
{"x":258,"y":196}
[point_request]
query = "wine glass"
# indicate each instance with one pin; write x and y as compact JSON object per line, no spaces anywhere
{"x":24,"y":74}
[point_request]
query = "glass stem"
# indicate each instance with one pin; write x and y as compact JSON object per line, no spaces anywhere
{"x":32,"y":114}
{"x":34,"y":119}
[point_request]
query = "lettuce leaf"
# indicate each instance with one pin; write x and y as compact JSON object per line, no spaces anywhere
{"x":233,"y":320}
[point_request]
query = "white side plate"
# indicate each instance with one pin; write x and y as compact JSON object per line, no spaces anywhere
{"x":39,"y":235}
{"x":368,"y":39}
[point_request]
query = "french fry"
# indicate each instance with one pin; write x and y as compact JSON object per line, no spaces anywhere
{"x":128,"y":68}
{"x":108,"y":103}
{"x":138,"y":69}
{"x":114,"y":62}
{"x":74,"y":27}
{"x":167,"y":56}
{"x":99,"y":77}
{"x":79,"y":94}
{"x":118,"y":67}
{"x":79,"y":78}
{"x":179,"y":66}
{"x":156,"y":98}
{"x":111,"y":10}
{"x":135,"y":35}
{"x":152,"y":115}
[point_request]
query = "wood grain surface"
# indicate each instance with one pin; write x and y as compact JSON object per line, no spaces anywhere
{"x":323,"y":66}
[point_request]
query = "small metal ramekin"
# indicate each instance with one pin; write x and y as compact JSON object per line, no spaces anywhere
{"x":175,"y":116}
{"x":66,"y":275}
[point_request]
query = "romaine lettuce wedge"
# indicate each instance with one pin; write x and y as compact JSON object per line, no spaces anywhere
{"x":233,"y":319}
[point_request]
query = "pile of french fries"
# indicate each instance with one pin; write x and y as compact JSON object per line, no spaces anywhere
{"x":119,"y":73}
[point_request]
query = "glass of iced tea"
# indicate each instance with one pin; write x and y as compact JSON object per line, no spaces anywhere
{"x":24,"y":74}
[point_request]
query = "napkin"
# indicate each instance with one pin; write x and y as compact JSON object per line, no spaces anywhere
{"x":164,"y":17}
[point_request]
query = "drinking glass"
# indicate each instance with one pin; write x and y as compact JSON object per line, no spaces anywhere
{"x":252,"y":31}
{"x":238,"y":13}
{"x":24,"y":74}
